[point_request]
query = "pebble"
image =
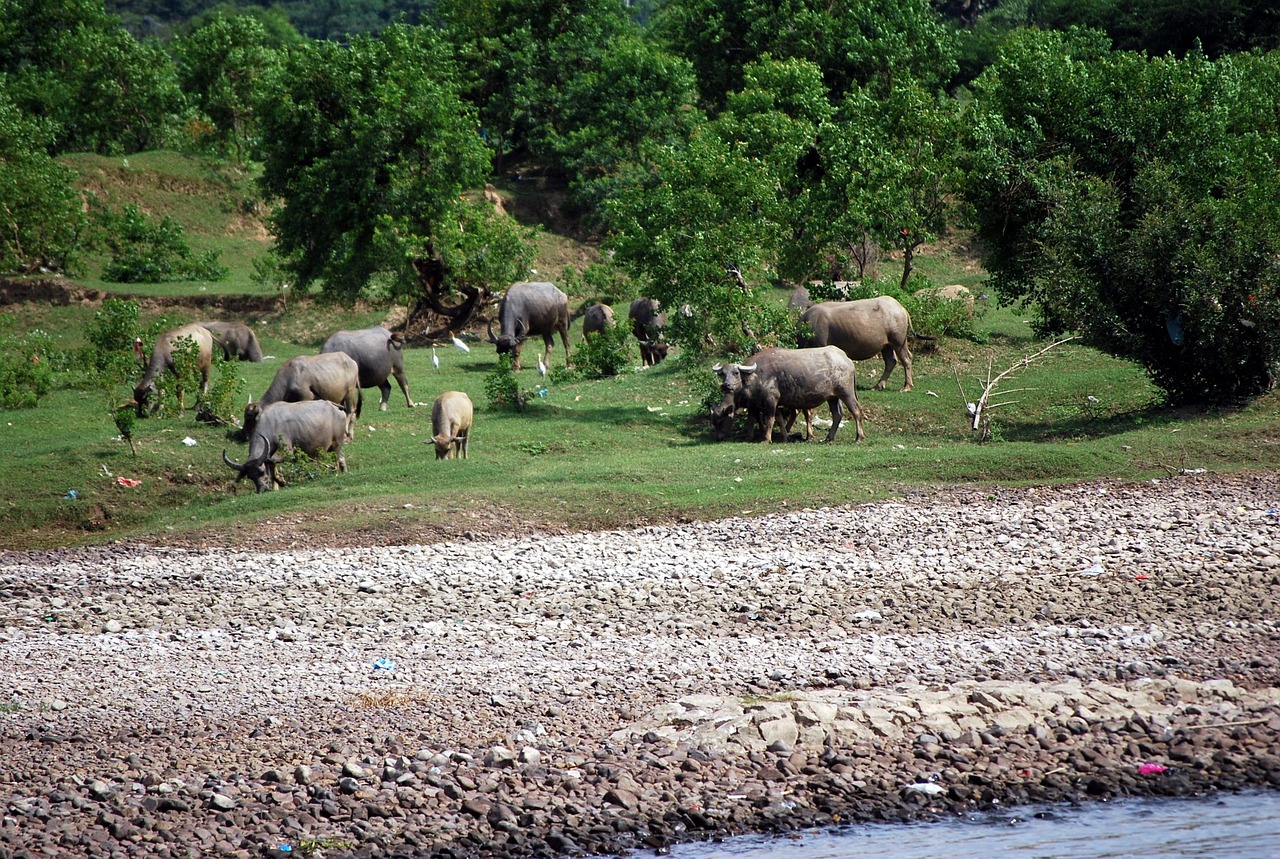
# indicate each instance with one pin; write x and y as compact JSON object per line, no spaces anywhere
{"x":626,"y":689}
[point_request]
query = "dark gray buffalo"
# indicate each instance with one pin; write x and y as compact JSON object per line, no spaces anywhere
{"x":597,"y":318}
{"x":647,"y":322}
{"x":379,"y":354}
{"x":530,"y":309}
{"x":237,"y":340}
{"x":800,"y":379}
{"x":313,"y":427}
{"x":331,"y":376}
{"x":863,"y":329}
{"x":162,"y":359}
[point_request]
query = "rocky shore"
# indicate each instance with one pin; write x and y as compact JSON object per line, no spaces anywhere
{"x":605,"y":692}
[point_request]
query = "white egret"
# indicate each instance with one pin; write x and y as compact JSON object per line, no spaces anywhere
{"x":459,"y":342}
{"x":542,"y":367}
{"x":435,"y":359}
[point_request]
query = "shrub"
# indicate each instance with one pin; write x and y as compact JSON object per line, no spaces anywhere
{"x":501,"y":385}
{"x":606,"y":354}
{"x":26,"y":369}
{"x":218,"y":405}
{"x":144,"y":250}
{"x":109,"y":355}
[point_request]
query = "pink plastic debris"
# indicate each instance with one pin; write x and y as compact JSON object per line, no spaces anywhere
{"x":1152,"y":769}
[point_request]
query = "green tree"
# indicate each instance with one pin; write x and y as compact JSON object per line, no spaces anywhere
{"x":874,"y":44}
{"x":1137,"y":202}
{"x":370,"y":148}
{"x":224,"y":66}
{"x":40,"y":217}
{"x":693,"y":233}
{"x":101,"y":89}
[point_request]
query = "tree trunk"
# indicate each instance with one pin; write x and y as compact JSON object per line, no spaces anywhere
{"x":438,"y":318}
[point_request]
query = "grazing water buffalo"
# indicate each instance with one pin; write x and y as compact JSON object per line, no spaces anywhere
{"x":800,"y":379}
{"x":162,"y":359}
{"x":862,"y":329}
{"x":378,"y":353}
{"x":597,"y":318}
{"x":331,"y":376}
{"x":530,"y":309}
{"x":312,"y":427}
{"x":647,"y":322}
{"x":451,"y":416}
{"x":237,"y":340}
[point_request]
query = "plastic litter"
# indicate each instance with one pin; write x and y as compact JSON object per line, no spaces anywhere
{"x":1095,"y":570}
{"x":927,"y":788}
{"x":383,"y":664}
{"x":1152,"y":769}
{"x":128,"y":481}
{"x":71,"y":495}
{"x":542,"y":392}
{"x":189,"y":441}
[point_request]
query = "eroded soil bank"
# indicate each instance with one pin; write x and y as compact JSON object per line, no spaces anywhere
{"x":607,"y":691}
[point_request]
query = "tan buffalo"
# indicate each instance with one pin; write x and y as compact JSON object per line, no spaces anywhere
{"x":451,"y":417}
{"x":162,"y":359}
{"x":862,"y":329}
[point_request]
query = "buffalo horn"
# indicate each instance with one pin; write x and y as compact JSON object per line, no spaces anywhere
{"x":716,"y":368}
{"x":237,"y":466}
{"x":747,"y":368}
{"x":492,"y":339}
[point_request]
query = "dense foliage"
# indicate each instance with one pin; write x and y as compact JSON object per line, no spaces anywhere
{"x":1137,"y":201}
{"x":370,"y":147}
{"x":722,"y":148}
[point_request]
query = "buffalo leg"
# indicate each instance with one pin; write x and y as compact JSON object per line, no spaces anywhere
{"x":890,"y":361}
{"x":837,"y":415}
{"x":385,"y":390}
{"x":403,"y":381}
{"x":904,"y":355}
{"x":856,"y":410}
{"x":770,"y":415}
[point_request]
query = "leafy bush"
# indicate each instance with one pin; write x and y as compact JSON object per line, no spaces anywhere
{"x":608,"y":353}
{"x":144,"y":250}
{"x":182,"y":386}
{"x":26,"y":371}
{"x":218,"y":404}
{"x":501,"y":385}
{"x":1135,"y":200}
{"x":109,"y":355}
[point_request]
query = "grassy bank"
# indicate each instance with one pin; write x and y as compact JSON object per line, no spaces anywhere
{"x":630,"y":449}
{"x":597,"y":453}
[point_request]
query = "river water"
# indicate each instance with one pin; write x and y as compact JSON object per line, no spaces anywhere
{"x":1227,"y":826}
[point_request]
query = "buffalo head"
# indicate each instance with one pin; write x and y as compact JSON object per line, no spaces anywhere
{"x":260,"y":468}
{"x":733,"y":377}
{"x":506,"y":344}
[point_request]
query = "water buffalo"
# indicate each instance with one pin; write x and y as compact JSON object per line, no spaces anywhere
{"x":529,"y":309}
{"x":378,"y":353}
{"x":862,"y":329}
{"x":237,"y":340}
{"x":800,"y":379}
{"x":647,"y":322}
{"x":331,"y":376}
{"x":597,"y":318}
{"x":451,"y":416}
{"x":162,"y":359}
{"x":312,"y":427}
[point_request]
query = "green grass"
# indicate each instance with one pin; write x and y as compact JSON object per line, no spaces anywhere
{"x":600,"y":453}
{"x":632,"y":449}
